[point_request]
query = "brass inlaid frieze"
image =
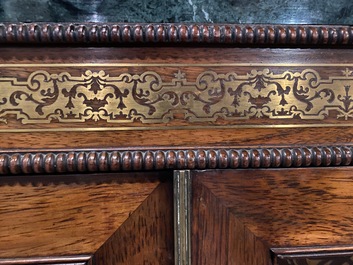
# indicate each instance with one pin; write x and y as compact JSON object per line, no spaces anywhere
{"x":148,"y":98}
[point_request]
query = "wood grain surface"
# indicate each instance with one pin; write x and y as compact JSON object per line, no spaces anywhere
{"x":170,"y":55}
{"x":146,"y":237}
{"x":183,"y":138}
{"x":65,"y":216}
{"x":243,"y":216}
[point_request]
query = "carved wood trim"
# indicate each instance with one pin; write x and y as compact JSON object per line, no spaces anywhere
{"x":123,"y":33}
{"x":12,"y":163}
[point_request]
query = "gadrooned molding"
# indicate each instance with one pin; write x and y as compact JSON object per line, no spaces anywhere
{"x":92,"y":34}
{"x":12,"y":163}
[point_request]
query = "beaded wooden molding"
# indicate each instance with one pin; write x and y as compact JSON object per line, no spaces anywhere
{"x":12,"y":163}
{"x":122,"y":33}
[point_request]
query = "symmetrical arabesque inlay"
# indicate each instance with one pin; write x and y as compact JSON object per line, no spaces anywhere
{"x":147,"y":98}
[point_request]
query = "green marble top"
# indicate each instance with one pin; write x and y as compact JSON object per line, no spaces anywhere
{"x":178,"y":11}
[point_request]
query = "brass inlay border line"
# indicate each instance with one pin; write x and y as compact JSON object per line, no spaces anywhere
{"x":175,"y":65}
{"x":182,"y":217}
{"x":73,"y":260}
{"x":151,"y":128}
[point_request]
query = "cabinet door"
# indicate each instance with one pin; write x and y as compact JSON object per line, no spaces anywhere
{"x":87,"y":219}
{"x":287,"y":216}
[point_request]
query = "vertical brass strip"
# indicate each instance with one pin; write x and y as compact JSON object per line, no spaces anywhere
{"x":182,"y":217}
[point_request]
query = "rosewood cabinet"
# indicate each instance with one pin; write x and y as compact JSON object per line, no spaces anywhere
{"x":175,"y":144}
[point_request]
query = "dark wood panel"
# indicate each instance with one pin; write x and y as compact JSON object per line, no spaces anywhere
{"x":67,"y":215}
{"x":210,"y":226}
{"x":243,"y":246}
{"x":295,"y":214}
{"x":146,"y":237}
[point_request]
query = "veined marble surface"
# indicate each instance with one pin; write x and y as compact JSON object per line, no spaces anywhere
{"x":169,"y":11}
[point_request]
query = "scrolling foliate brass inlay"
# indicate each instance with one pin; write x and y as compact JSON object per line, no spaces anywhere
{"x":147,"y":98}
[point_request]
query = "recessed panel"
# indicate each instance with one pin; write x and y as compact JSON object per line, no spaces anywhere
{"x":52,"y":218}
{"x":258,"y":217}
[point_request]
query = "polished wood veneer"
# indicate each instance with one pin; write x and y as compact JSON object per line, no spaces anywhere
{"x":146,"y":237}
{"x":106,"y":219}
{"x":255,"y":217}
